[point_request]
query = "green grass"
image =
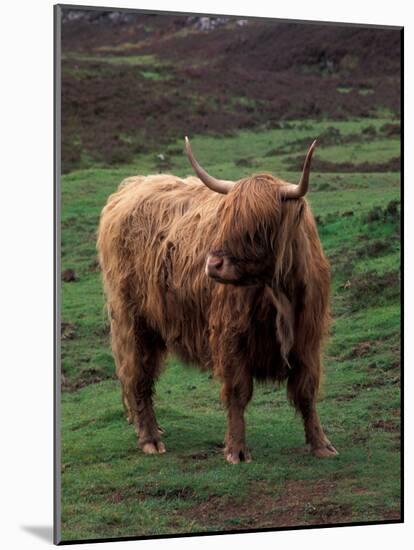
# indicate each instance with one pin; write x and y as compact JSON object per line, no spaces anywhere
{"x":344,"y":89}
{"x":371,"y":151}
{"x":140,"y":60}
{"x":151,"y":67}
{"x":111,"y":489}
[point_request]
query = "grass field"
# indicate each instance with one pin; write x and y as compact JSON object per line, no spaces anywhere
{"x":252,"y":97}
{"x":110,"y":489}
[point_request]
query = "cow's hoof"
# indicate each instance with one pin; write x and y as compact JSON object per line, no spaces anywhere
{"x":234,"y":456}
{"x":153,"y":447}
{"x":325,"y":451}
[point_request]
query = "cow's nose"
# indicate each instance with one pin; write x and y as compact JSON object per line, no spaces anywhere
{"x":215,"y":263}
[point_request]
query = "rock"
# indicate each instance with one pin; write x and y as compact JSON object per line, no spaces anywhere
{"x":98,"y":16}
{"x":207,"y":24}
{"x":67,"y":331}
{"x":69,"y":276}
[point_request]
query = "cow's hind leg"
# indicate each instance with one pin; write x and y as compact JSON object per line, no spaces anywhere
{"x":236,"y":396}
{"x":138,"y":352}
{"x":302,"y":391}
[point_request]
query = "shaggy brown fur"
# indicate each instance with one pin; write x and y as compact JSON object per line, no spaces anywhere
{"x":154,"y":237}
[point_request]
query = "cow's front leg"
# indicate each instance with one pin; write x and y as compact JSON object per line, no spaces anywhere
{"x":320,"y":445}
{"x":302,"y":390}
{"x":236,"y":396}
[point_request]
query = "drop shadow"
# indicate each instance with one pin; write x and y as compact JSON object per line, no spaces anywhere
{"x":44,"y":532}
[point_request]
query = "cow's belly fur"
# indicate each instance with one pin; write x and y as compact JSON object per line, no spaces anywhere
{"x":190,"y":337}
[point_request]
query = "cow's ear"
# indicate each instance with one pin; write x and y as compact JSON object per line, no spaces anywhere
{"x":301,"y":209}
{"x":284,"y":321}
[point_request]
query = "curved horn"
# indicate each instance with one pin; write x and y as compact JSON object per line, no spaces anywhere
{"x":292,"y":191}
{"x":220,"y":186}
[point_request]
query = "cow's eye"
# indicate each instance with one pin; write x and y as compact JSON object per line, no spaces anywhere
{"x":257,"y":239}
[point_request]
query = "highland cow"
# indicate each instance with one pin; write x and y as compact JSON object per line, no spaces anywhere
{"x":229,"y":276}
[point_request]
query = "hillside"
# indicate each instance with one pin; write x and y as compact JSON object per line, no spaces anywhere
{"x":135,"y":82}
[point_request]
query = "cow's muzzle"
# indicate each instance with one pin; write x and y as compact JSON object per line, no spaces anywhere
{"x":220,"y":268}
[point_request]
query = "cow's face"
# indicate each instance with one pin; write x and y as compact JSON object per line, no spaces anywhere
{"x":255,"y":222}
{"x":250,"y":221}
